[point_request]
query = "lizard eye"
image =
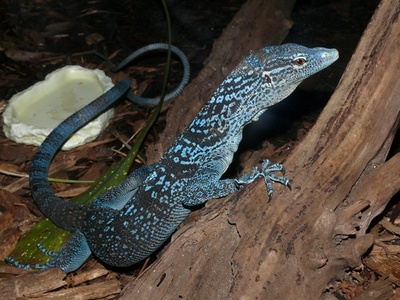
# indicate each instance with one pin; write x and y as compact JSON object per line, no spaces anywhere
{"x":300,"y":61}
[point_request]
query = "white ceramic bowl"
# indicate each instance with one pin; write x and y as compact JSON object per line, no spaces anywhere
{"x":33,"y":113}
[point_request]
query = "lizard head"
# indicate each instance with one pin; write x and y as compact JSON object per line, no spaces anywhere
{"x":263,"y":79}
{"x":278,"y":70}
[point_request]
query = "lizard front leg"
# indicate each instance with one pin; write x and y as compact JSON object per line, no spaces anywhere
{"x":202,"y":190}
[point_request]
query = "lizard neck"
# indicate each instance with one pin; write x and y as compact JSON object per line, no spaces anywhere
{"x":243,"y":96}
{"x":218,"y":126}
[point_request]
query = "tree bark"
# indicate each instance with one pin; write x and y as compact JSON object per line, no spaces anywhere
{"x":294,"y":246}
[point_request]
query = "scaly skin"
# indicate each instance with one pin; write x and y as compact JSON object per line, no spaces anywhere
{"x":132,"y":220}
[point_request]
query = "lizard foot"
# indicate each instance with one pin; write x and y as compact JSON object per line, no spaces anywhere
{"x":265,"y":171}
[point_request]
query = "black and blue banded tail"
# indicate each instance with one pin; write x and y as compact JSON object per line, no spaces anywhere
{"x":64,"y":213}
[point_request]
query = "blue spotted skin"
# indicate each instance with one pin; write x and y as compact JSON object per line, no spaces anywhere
{"x":132,"y":220}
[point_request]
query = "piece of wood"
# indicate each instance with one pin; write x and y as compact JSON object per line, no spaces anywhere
{"x":295,"y":245}
{"x":379,"y":290}
{"x":31,"y":283}
{"x":385,"y":262}
{"x":51,"y":283}
{"x":98,"y":290}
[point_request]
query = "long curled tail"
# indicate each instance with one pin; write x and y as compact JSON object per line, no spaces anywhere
{"x":144,"y":50}
{"x":65,"y":213}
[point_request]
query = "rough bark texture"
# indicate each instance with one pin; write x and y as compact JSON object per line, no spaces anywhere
{"x":295,"y":245}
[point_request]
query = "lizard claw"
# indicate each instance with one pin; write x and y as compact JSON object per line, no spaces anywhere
{"x":267,"y":172}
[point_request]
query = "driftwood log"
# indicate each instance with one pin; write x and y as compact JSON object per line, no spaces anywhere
{"x":296,"y":245}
